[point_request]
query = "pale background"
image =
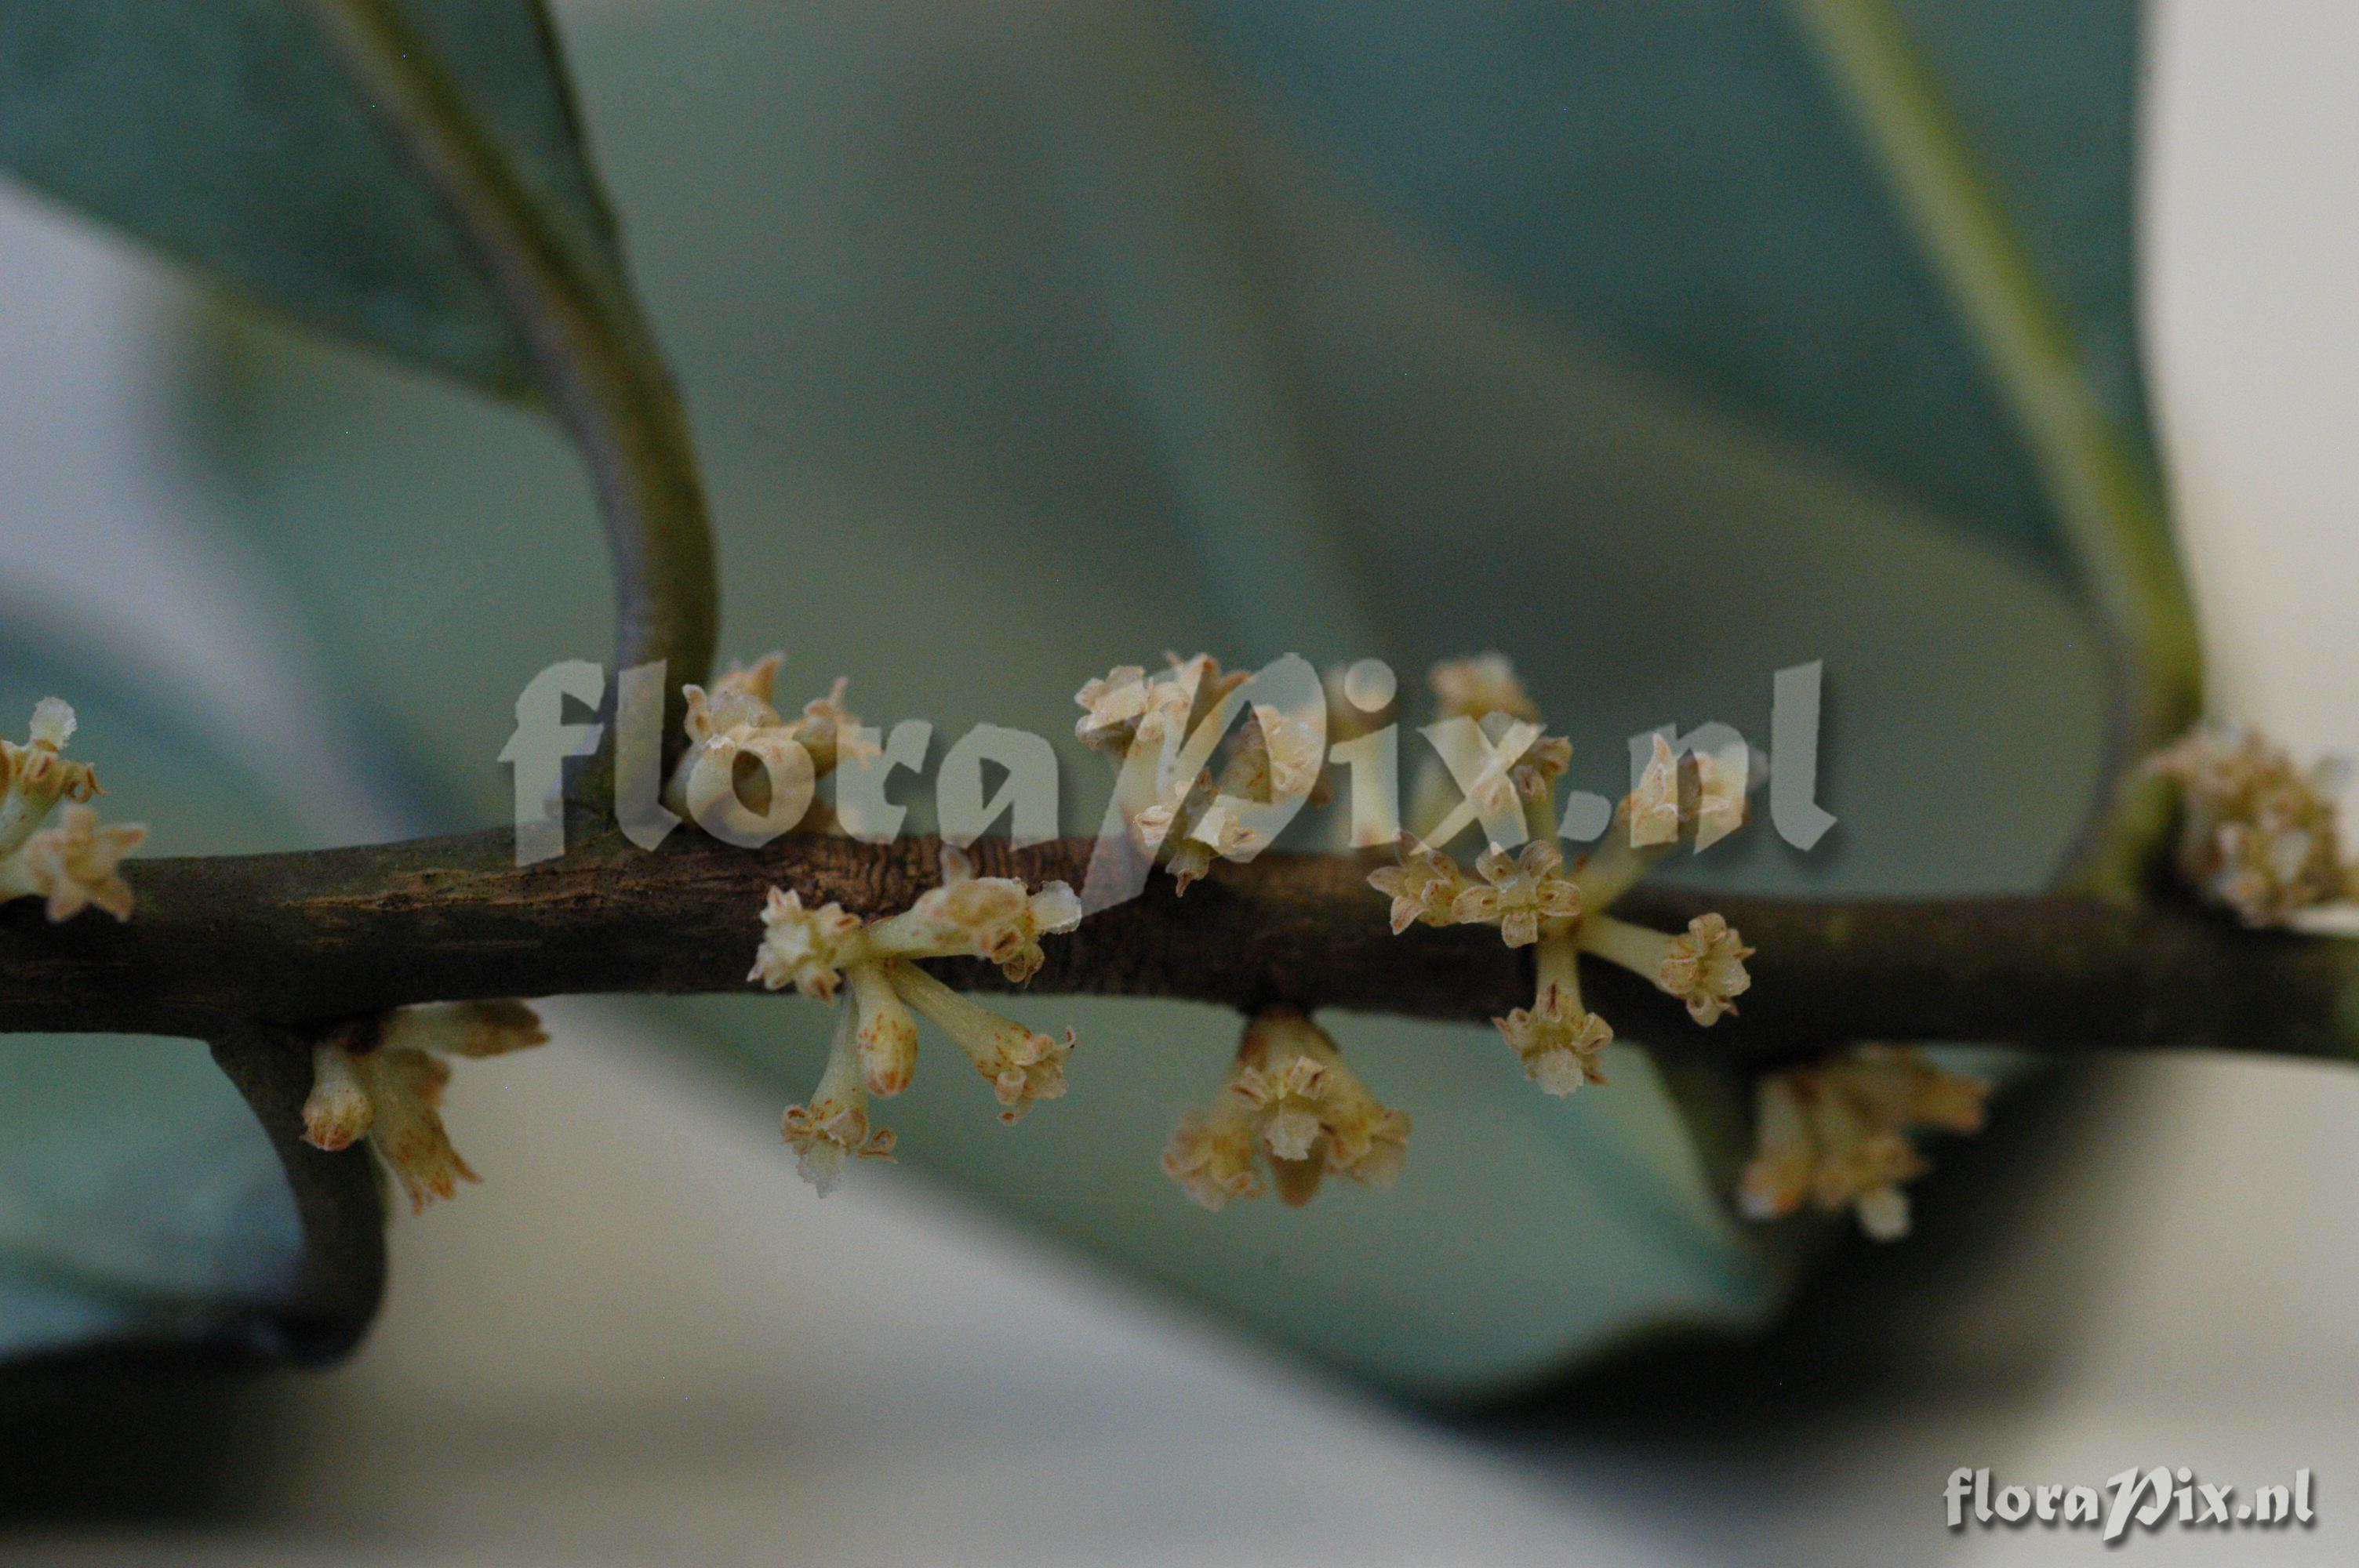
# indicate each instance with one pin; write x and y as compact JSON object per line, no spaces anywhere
{"x":638,"y":1344}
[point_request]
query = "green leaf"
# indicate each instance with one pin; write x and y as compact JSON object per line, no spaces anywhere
{"x":1010,"y":346}
{"x":1688,"y":188}
{"x":229,"y":134}
{"x":139,"y":1201}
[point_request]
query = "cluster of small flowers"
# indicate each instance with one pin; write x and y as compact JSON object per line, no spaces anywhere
{"x":382,"y":1078}
{"x":735,"y":719}
{"x":827,"y":952}
{"x":1289,"y":1103}
{"x":1535,"y":903}
{"x":73,"y":864}
{"x":1140,"y":721}
{"x":2256,"y":834}
{"x":1836,"y":1135}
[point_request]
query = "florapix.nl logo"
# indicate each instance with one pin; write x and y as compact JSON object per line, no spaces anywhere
{"x":994,"y":773}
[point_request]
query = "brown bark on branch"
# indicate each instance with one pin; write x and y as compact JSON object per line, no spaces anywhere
{"x":298,"y":940}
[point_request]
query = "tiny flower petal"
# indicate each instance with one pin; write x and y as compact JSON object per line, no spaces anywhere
{"x":73,"y":866}
{"x":833,"y":1129}
{"x":1705,"y":968}
{"x":1558,"y":1040}
{"x":1478,"y":687}
{"x":337,"y":1112}
{"x":805,"y":949}
{"x":1523,"y":892}
{"x":1212,"y":1157}
{"x":1424,"y":885}
{"x":1291,"y":1101}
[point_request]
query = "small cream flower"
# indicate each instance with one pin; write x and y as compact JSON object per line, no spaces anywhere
{"x":1022,"y":1065}
{"x":1558,"y":1039}
{"x":833,"y":1129}
{"x":2256,"y":834}
{"x":1705,"y":968}
{"x":1835,"y":1136}
{"x":1523,"y":891}
{"x":1720,"y":800}
{"x":983,"y":917}
{"x":1110,"y":709}
{"x":33,"y":779}
{"x":1544,"y":762}
{"x":805,"y":949}
{"x":826,"y":730}
{"x":1423,"y":885}
{"x":1653,"y":806}
{"x":1478,"y":687}
{"x":967,"y":917}
{"x":382,"y":1079}
{"x":1665,"y":803}
{"x":1211,"y":1156}
{"x":1291,"y":1102}
{"x":738,"y":703}
{"x":73,"y":866}
{"x":736,"y":717}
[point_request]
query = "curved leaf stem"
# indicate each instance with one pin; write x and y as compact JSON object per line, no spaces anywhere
{"x":2101,"y":488}
{"x":592,"y":348}
{"x":339,"y":1197}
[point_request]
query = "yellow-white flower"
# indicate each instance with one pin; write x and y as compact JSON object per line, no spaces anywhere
{"x":833,"y":1129}
{"x":1703,"y":966}
{"x":805,"y":949}
{"x":1110,"y":709}
{"x":1424,"y":884}
{"x":72,"y":865}
{"x":1021,"y":1065}
{"x":1835,"y":1136}
{"x":817,"y":950}
{"x":736,"y":717}
{"x":1292,"y":1103}
{"x":1522,"y":891}
{"x":983,"y":917}
{"x":1558,"y":1039}
{"x":2256,"y":834}
{"x":1211,"y":1156}
{"x":1481,"y":686}
{"x":382,"y":1079}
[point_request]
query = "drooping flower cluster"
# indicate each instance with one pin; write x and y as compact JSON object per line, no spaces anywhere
{"x":74,"y":864}
{"x":1536,"y":902}
{"x":1291,"y":1105}
{"x":735,"y":719}
{"x":1836,"y":1135}
{"x":2256,"y":834}
{"x":382,"y":1079}
{"x":826,"y":953}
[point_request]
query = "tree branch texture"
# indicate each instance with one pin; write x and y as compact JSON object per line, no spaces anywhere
{"x":300,"y":940}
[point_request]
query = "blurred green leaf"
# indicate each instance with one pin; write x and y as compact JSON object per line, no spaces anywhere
{"x":1683,"y":182}
{"x":229,"y":134}
{"x":139,"y":1201}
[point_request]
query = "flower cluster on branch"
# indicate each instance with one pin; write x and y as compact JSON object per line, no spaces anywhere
{"x":1837,"y":1136}
{"x":2258,"y":835}
{"x":382,"y":1078}
{"x":73,"y":864}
